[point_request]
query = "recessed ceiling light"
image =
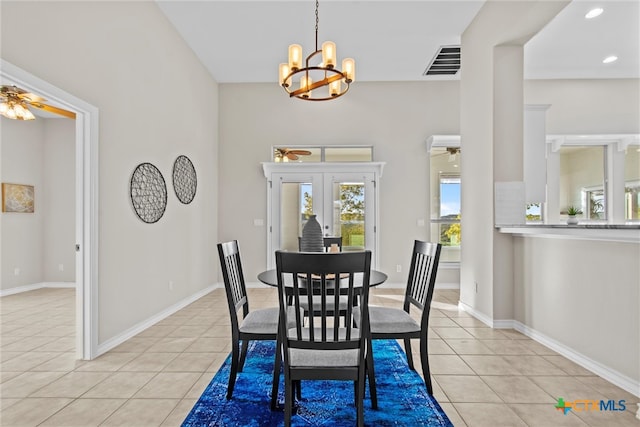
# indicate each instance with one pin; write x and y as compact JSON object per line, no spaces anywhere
{"x":610,"y":59}
{"x":594,"y":12}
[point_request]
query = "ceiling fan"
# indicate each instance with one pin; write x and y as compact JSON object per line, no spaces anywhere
{"x":15,"y":103}
{"x":451,"y":151}
{"x":285,"y":153}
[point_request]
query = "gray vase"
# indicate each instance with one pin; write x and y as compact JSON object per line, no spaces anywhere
{"x":311,"y":240}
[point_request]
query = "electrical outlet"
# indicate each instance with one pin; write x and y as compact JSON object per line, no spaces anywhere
{"x":61,"y":267}
{"x":16,"y":271}
{"x":398,"y":268}
{"x":170,"y":285}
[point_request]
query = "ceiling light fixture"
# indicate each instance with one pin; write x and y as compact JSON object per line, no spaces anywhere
{"x":15,"y":108}
{"x":610,"y":59}
{"x":594,"y":12}
{"x":313,"y":77}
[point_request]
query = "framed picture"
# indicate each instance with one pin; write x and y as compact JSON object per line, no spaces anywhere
{"x":17,"y":198}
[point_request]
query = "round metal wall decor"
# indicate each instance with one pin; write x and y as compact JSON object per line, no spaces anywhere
{"x":185,"y":180}
{"x":148,"y":193}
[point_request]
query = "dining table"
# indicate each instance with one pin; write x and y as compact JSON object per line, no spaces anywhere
{"x":270,"y":277}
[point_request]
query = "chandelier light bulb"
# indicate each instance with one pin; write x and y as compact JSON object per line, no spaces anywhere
{"x":610,"y":59}
{"x":295,"y":57}
{"x":335,"y":88}
{"x":305,"y":82}
{"x":329,"y":54}
{"x":284,"y":72}
{"x":349,"y":69}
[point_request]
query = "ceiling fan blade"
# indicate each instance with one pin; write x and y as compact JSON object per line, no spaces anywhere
{"x":54,"y":110}
{"x":31,"y":97}
{"x":300,"y":152}
{"x":291,"y":156}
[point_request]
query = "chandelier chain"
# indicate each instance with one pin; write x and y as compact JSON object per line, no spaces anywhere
{"x":317,"y":4}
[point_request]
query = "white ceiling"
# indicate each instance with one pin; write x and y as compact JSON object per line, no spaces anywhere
{"x":244,"y":41}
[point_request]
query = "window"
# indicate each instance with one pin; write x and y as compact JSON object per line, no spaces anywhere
{"x":632,"y":183}
{"x":598,"y":174}
{"x":582,"y":180}
{"x":445,"y":201}
{"x":339,"y":153}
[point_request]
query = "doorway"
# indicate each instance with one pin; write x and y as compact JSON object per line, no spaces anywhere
{"x":86,"y":200}
{"x":343,"y":197}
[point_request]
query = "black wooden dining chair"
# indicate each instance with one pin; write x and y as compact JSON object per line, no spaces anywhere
{"x":318,"y":347}
{"x":397,"y":323}
{"x":259,"y":324}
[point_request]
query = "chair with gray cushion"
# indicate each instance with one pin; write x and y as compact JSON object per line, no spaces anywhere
{"x":319,"y":347}
{"x":254,"y":325}
{"x":397,"y":323}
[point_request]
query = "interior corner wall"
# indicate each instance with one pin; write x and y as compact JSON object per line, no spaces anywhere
{"x":126,"y":59}
{"x":482,"y":274}
{"x":22,"y":240}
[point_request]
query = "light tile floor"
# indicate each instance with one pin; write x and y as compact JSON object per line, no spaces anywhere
{"x":482,"y":376}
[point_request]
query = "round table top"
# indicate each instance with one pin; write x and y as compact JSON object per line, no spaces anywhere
{"x":270,"y":277}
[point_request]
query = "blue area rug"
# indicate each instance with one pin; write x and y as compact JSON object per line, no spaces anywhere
{"x":402,"y":395}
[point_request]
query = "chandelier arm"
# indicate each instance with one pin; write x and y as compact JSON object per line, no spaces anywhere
{"x":328,"y":98}
{"x":319,"y":83}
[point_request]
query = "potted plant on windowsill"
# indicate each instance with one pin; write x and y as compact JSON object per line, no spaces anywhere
{"x":572,"y":211}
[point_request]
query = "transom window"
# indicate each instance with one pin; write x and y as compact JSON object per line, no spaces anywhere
{"x":332,"y":153}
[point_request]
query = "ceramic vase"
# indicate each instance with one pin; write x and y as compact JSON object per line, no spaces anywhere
{"x":572,"y":220}
{"x":311,"y":240}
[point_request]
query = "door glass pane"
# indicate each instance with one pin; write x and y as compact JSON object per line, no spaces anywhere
{"x":632,"y":183}
{"x":347,"y":214}
{"x":582,"y":174}
{"x":295,"y":207}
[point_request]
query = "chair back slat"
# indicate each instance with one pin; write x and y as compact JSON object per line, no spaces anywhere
{"x":233,"y":277}
{"x":422,"y":274}
{"x":325,"y":281}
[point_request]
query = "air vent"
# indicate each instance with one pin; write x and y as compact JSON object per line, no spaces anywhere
{"x":445,"y":62}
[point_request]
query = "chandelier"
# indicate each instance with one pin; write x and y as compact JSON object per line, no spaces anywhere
{"x":15,"y":108}
{"x":314,"y":77}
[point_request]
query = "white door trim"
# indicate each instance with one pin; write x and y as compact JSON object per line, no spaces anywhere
{"x":86,"y":201}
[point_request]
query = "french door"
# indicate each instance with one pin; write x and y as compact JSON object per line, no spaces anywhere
{"x":344,"y":204}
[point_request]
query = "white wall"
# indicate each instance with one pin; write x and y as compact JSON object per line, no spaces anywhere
{"x":22,"y":240}
{"x":59,"y":198}
{"x":128,"y":61}
{"x":40,"y":153}
{"x":584,"y":295}
{"x":395,"y":118}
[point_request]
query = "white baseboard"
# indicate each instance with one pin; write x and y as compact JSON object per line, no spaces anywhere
{"x":135,"y":330}
{"x":35,"y":286}
{"x":611,"y":375}
{"x":480,"y":316}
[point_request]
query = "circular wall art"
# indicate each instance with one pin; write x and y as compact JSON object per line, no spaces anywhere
{"x":185,"y":180}
{"x":148,"y":193}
